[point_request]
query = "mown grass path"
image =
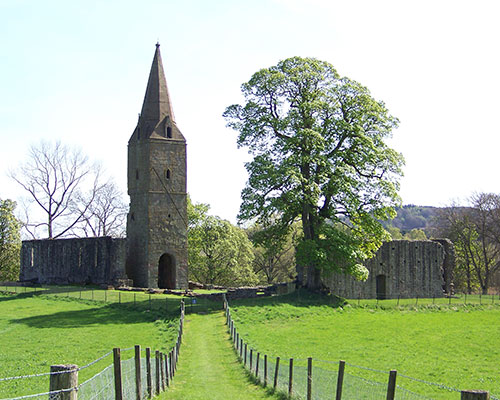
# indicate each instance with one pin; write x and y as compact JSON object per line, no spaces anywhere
{"x":208,"y":367}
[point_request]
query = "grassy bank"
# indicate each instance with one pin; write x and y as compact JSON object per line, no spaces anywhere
{"x":456,"y":346}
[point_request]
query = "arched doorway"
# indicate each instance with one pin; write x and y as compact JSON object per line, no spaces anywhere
{"x":166,"y":272}
{"x":381,"y":287}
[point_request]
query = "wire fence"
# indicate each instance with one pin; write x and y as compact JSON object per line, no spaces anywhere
{"x":142,"y":376}
{"x":455,"y":300}
{"x":324,"y":379}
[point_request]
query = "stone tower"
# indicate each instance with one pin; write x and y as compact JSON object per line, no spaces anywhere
{"x":157,"y":219}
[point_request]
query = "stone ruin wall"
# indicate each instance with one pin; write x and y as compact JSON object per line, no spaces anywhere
{"x":411,"y":269}
{"x":98,"y":260}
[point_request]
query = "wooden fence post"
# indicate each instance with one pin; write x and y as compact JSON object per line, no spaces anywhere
{"x":149,"y":378}
{"x":257,"y":365}
{"x":309,"y":378}
{"x":391,"y":387}
{"x":474,"y":395}
{"x":162,"y":373}
{"x":138,"y":383}
{"x":174,"y":361}
{"x":241,"y":348}
{"x":118,"y":373}
{"x":157,"y":371}
{"x":167,"y":373}
{"x":276,"y":371}
{"x":64,"y":380}
{"x":251,"y":358}
{"x":170,"y":364}
{"x":290,"y":379}
{"x":340,"y":380}
{"x":245,"y":355}
{"x":265,"y":370}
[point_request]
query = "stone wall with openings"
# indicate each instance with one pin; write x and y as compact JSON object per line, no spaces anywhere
{"x":97,"y":260}
{"x":403,"y":268}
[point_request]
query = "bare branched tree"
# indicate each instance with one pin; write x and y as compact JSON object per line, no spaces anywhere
{"x":54,"y":176}
{"x":106,"y":214}
{"x":475,"y":231}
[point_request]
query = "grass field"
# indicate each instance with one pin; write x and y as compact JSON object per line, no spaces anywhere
{"x":453,"y":345}
{"x":38,"y":330}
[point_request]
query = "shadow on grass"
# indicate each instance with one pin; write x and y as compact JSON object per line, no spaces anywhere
{"x":106,"y":314}
{"x":299,"y":298}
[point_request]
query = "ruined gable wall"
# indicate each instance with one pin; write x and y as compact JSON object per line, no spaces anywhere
{"x":411,"y":269}
{"x":98,"y":260}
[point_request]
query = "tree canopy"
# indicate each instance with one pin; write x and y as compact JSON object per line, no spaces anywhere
{"x":318,"y":141}
{"x":218,"y":252}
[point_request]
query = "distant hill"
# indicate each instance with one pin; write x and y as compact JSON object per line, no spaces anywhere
{"x":414,"y":217}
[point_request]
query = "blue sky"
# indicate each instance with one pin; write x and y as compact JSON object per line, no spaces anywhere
{"x":76,"y":71}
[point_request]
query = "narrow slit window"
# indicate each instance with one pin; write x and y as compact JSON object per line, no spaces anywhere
{"x":167,"y":174}
{"x":96,"y":255}
{"x":169,"y":132}
{"x":136,"y":174}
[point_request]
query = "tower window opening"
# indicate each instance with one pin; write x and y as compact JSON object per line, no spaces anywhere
{"x":169,"y":132}
{"x":136,"y":174}
{"x":167,"y":174}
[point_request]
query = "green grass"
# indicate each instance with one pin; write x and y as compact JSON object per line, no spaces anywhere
{"x":456,"y":346}
{"x":208,"y":365}
{"x":37,"y":331}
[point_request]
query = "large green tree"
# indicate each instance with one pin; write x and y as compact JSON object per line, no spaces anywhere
{"x":10,"y":242}
{"x":318,"y":141}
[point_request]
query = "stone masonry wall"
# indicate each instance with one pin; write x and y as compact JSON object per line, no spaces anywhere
{"x":406,"y":268}
{"x":99,"y":260}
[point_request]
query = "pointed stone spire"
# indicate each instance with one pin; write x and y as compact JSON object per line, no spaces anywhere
{"x":157,"y":104}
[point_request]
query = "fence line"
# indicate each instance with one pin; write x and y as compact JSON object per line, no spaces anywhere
{"x":457,"y":299}
{"x":124,"y":379}
{"x":313,"y":382}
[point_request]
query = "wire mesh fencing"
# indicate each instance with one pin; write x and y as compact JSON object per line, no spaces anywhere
{"x":123,"y":379}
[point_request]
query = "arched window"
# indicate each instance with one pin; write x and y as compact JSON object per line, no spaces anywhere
{"x":167,"y":174}
{"x":169,"y":132}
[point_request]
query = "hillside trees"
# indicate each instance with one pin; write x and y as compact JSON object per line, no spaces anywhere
{"x":319,"y":157}
{"x":10,"y":241}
